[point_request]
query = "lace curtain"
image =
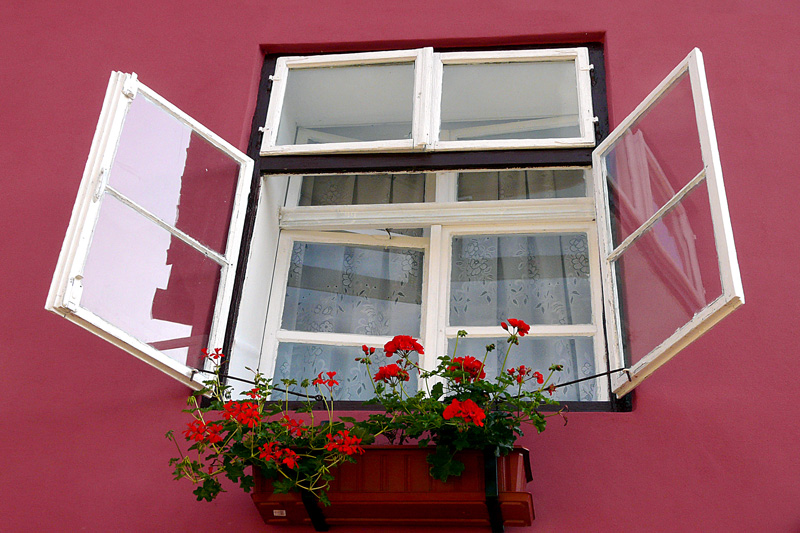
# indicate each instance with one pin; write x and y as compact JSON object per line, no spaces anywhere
{"x":542,"y":279}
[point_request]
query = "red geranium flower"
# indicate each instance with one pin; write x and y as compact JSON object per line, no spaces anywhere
{"x":391,"y":372}
{"x":468,"y":364}
{"x":343,"y":442}
{"x":216,"y":354}
{"x":195,"y":431}
{"x":296,"y":428}
{"x":271,"y":451}
{"x":404,"y":344}
{"x":468,"y":410}
{"x":246,"y":413}
{"x":521,"y":327}
{"x":539,"y":377}
{"x":213,"y":433}
{"x":330,"y":382}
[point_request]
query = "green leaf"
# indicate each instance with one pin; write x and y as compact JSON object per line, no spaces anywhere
{"x":443,"y":464}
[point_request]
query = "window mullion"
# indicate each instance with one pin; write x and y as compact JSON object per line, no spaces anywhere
{"x":194,"y":243}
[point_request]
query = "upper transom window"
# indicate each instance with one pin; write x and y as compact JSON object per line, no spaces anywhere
{"x":420,"y":100}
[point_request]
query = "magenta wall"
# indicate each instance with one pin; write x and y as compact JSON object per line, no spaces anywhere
{"x":712,"y":443}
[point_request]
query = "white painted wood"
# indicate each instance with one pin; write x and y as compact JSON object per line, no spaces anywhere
{"x":732,"y":295}
{"x":431,"y":295}
{"x":423,"y":99}
{"x":511,"y":56}
{"x":384,"y":239}
{"x":447,"y":187}
{"x":67,"y":284}
{"x":353,"y":59}
{"x":293,"y":193}
{"x":275,"y":108}
{"x":723,"y":232}
{"x":91,"y":322}
{"x":583,"y":75}
{"x":537,"y":330}
{"x":111,"y":103}
{"x":341,"y":147}
{"x":599,"y":338}
{"x":258,"y":282}
{"x":655,"y":217}
{"x":186,"y":238}
{"x":423,"y":214}
{"x":331,"y":339}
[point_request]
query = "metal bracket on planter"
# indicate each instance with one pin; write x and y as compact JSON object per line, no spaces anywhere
{"x":492,"y":491}
{"x":314,"y":512}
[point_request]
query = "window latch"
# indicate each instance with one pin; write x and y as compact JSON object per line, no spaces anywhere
{"x":102,"y":181}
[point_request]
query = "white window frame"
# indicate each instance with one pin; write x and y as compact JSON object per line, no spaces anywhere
{"x":428,"y":72}
{"x":445,"y":219}
{"x":64,"y":297}
{"x":274,"y":333}
{"x":579,"y":56}
{"x":732,"y":292}
{"x":420,"y":136}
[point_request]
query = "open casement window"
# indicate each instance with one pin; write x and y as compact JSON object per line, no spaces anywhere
{"x":667,"y":253}
{"x":150,"y":253}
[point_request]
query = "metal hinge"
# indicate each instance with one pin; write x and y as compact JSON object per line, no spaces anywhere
{"x":73,"y":293}
{"x":131,"y":86}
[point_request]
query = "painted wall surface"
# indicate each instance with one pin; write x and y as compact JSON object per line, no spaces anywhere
{"x":712,"y":442}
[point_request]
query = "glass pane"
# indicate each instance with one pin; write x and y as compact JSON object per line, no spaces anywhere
{"x":346,"y":104}
{"x":538,"y":353}
{"x":521,"y":184}
{"x":525,"y":100}
{"x":162,"y":165}
{"x":668,"y":275}
{"x":653,"y":160}
{"x":355,"y":189}
{"x":149,"y":283}
{"x":301,"y":361}
{"x":541,"y":279}
{"x":354,"y":289}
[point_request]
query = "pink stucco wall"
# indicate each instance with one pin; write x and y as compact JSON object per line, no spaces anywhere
{"x":712,"y":444}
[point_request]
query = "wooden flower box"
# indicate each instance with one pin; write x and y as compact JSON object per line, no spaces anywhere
{"x":390,"y":485}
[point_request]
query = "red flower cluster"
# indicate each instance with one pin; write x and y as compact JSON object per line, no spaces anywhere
{"x":468,"y":410}
{"x":390,"y":372}
{"x":200,"y":432}
{"x":272,"y":452}
{"x":402,"y":343}
{"x":345,"y":443}
{"x":520,"y":372}
{"x":246,"y":413}
{"x":520,"y":327}
{"x":217,"y":354}
{"x":470,"y":365}
{"x":296,"y":428}
{"x":330,"y":382}
{"x":366,"y":350}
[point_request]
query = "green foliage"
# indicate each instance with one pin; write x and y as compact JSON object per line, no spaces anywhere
{"x":455,"y":409}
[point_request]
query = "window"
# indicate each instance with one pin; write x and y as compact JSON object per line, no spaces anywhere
{"x":412,"y":192}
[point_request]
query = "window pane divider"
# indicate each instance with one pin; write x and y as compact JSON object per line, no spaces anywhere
{"x":328,"y":338}
{"x":655,"y":217}
{"x":393,"y":241}
{"x":194,"y":243}
{"x":427,"y":214}
{"x":537,"y":330}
